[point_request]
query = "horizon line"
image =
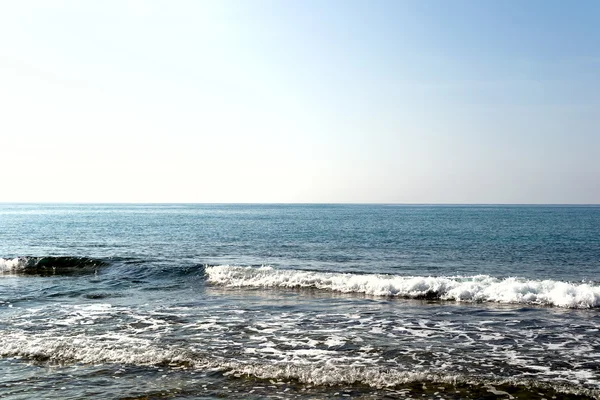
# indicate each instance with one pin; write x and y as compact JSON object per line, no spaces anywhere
{"x":288,"y":203}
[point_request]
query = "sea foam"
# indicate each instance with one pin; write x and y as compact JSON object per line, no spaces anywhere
{"x":129,"y":351}
{"x":479,"y":288}
{"x":11,"y":265}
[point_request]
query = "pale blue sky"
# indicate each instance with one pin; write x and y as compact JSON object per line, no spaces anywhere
{"x":300,"y":101}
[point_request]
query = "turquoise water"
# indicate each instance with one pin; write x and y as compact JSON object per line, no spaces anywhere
{"x":307,"y":301}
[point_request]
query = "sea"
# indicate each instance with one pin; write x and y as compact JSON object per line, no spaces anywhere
{"x":299,"y":301}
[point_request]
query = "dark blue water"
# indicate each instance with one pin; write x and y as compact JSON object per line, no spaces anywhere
{"x":308,"y":301}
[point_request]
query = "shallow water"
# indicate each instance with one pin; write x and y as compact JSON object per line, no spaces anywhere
{"x":299,"y":301}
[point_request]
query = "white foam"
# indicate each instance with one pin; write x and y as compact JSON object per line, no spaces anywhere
{"x":88,"y":350}
{"x":302,"y":365}
{"x":11,"y":265}
{"x":334,"y":341}
{"x":134,"y":351}
{"x":479,"y":288}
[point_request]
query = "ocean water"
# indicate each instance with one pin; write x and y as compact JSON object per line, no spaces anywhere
{"x":299,"y":301}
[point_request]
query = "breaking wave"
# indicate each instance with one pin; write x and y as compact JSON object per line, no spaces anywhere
{"x":47,"y":266}
{"x":479,"y":288}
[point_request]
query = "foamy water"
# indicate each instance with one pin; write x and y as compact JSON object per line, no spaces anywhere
{"x":370,"y":344}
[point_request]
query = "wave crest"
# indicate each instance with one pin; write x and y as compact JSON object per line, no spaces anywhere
{"x":479,"y":288}
{"x":50,"y":265}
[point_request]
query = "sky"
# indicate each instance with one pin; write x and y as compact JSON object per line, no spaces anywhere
{"x":300,"y":101}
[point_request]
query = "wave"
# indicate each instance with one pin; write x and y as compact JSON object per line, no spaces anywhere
{"x":47,"y":266}
{"x":479,"y":288}
{"x":114,"y":349}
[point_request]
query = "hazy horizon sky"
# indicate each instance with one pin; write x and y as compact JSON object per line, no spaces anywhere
{"x":304,"y":101}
